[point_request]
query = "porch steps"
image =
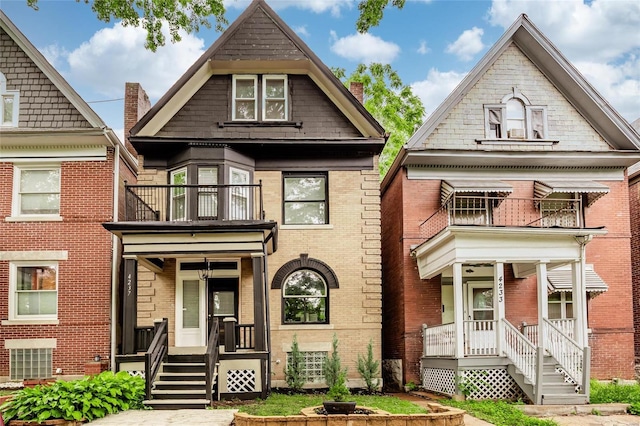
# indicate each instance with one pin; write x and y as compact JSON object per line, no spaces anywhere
{"x":554,"y":388}
{"x":180,"y":384}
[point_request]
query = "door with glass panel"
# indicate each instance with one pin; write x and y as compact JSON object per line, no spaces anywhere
{"x":222,"y":301}
{"x":190,"y":315}
{"x":239,"y":203}
{"x":480,"y":328}
{"x":178,"y":195}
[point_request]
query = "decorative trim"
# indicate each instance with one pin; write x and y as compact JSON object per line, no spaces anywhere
{"x":536,"y":142}
{"x":305,"y":262}
{"x":31,"y":343}
{"x":34,"y":255}
{"x":41,"y":218}
{"x":296,"y":124}
{"x":30,"y":322}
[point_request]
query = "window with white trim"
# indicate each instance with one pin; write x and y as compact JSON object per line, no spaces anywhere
{"x":36,"y":191}
{"x":33,"y":290}
{"x":515,"y":118}
{"x":304,"y":298}
{"x":560,"y":305}
{"x":305,"y":199}
{"x":271,"y":97}
{"x":560,"y":209}
{"x":33,"y":363}
{"x":9,"y":104}
{"x":312,"y":366}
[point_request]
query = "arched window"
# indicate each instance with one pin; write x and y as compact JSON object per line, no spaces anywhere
{"x":304,"y":298}
{"x":515,"y":118}
{"x":306,"y":284}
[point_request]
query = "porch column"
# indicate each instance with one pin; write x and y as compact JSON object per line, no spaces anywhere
{"x":458,"y":310}
{"x":129,"y":300}
{"x":259,"y":301}
{"x":579,"y":298}
{"x":498,"y":298}
{"x":543,"y":308}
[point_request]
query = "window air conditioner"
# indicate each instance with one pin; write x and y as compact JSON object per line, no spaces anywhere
{"x":516,"y":133}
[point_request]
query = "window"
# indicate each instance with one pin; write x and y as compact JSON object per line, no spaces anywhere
{"x":560,"y":209}
{"x":239,"y":206}
{"x":560,"y":305}
{"x":305,"y":199}
{"x":37,"y":190}
{"x":207,"y":195}
{"x":9,"y":105}
{"x":34,"y":288}
{"x":30,"y":363}
{"x":515,"y":118}
{"x":179,"y":194}
{"x":312,"y":366}
{"x":274,"y":98}
{"x":304,"y":295}
{"x":470,"y":209}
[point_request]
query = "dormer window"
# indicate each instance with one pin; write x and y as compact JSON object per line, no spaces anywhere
{"x":260,"y":98}
{"x":515,"y":118}
{"x":9,"y":104}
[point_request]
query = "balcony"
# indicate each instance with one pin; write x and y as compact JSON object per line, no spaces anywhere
{"x":504,"y":212}
{"x":188,"y":203}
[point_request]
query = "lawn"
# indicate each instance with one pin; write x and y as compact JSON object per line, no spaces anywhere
{"x":602,"y":393}
{"x":500,"y":413}
{"x":278,"y":404}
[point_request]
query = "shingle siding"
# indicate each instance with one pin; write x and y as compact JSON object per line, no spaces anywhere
{"x":42,"y":105}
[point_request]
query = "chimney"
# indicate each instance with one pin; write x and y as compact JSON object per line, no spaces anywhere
{"x":357,"y":89}
{"x":136,"y":104}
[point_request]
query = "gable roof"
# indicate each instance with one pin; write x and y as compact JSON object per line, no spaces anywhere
{"x":300,"y":60}
{"x":567,"y":79}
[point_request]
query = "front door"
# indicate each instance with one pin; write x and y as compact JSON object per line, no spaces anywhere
{"x":480,"y":328}
{"x":222,"y":301}
{"x":190,"y":321}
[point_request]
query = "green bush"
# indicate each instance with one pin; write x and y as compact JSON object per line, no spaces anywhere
{"x":332,"y":366}
{"x":368,"y":368}
{"x":635,"y":409}
{"x":602,"y":393}
{"x":293,"y":372}
{"x":89,"y":398}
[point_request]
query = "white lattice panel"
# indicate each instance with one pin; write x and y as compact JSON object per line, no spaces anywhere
{"x":569,"y":379}
{"x":239,"y":381}
{"x":493,"y":383}
{"x":439,"y":380}
{"x":136,"y":373}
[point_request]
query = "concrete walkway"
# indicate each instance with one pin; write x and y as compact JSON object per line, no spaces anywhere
{"x":167,"y":418}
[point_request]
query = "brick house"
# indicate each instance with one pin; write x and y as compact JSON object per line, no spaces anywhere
{"x":59,"y":172}
{"x":255,"y":218}
{"x":634,"y":204}
{"x":505,"y":218}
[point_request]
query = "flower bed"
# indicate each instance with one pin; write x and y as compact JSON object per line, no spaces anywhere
{"x":438,"y":416}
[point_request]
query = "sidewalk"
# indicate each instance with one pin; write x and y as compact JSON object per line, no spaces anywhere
{"x":167,"y":418}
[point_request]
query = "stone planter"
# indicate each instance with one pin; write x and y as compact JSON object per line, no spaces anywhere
{"x":339,"y":407}
{"x":52,"y":422}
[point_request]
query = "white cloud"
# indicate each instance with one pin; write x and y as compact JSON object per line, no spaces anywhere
{"x":599,"y":37}
{"x":115,"y":55}
{"x":423,"y":49}
{"x":54,"y":54}
{"x":317,"y":6}
{"x":364,"y":48}
{"x":301,"y":31}
{"x":467,"y":45}
{"x":436,"y":87}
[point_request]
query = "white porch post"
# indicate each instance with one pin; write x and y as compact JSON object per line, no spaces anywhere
{"x":498,"y":299}
{"x":543,"y":308}
{"x":458,"y":310}
{"x":579,"y":298}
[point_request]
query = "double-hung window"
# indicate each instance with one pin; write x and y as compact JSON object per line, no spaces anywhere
{"x":305,"y":199}
{"x":33,"y":290}
{"x":37,"y":191}
{"x":560,"y":305}
{"x":515,"y":118}
{"x":178,"y":207}
{"x":262,"y":98}
{"x":9,"y":104}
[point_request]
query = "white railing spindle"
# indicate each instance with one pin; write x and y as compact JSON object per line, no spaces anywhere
{"x":439,"y":340}
{"x":565,"y":350}
{"x":481,"y":337}
{"x":520,"y":351}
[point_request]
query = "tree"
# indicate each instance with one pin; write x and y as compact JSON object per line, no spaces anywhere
{"x":293,"y":372}
{"x":371,"y":12}
{"x":186,"y":15}
{"x":391,"y":102}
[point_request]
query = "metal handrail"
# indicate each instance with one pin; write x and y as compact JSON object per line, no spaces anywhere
{"x":155,"y":355}
{"x":211,"y":357}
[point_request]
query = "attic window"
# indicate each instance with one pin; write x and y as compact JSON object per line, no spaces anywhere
{"x":263,"y":96}
{"x":9,"y":104}
{"x":515,"y":118}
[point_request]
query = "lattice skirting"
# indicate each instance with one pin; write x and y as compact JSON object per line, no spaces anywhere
{"x":239,"y":381}
{"x":569,"y":379}
{"x":136,"y":373}
{"x":492,"y":383}
{"x":439,"y":380}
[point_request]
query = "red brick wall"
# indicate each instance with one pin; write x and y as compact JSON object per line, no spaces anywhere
{"x":84,"y":280}
{"x":634,"y":202}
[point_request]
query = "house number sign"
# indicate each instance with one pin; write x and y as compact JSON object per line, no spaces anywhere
{"x":129,"y":286}
{"x":500,"y":289}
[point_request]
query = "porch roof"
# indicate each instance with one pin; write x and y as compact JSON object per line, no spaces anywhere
{"x":594,"y":190}
{"x":560,"y":280}
{"x":450,"y":187}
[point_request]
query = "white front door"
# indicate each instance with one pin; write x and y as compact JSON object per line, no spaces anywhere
{"x":190,"y":312}
{"x":480,"y":329}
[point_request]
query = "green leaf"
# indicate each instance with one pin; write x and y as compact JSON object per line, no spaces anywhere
{"x":77,"y":415}
{"x":45,"y":415}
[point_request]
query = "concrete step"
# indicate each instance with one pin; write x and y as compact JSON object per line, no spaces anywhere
{"x":551,"y":378}
{"x":563,"y":399}
{"x":177,"y":404}
{"x":559,"y":388}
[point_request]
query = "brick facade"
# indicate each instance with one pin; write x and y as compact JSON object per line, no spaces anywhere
{"x":634,"y":204}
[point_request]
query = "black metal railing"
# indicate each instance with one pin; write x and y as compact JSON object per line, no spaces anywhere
{"x":500,"y":212}
{"x":143,"y":338}
{"x":156,"y":354}
{"x":244,"y":336}
{"x":211,"y":357}
{"x":193,"y":202}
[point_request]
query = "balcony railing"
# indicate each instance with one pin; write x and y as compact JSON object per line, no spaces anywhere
{"x":180,"y":203}
{"x":500,"y":212}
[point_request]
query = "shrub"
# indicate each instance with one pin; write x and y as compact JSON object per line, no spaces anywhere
{"x":89,"y":398}
{"x":635,"y":409}
{"x":332,"y":366}
{"x":294,"y":369}
{"x":368,"y":368}
{"x":602,"y":393}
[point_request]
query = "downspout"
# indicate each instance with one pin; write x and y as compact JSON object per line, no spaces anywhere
{"x":268,"y":317}
{"x":114,"y":257}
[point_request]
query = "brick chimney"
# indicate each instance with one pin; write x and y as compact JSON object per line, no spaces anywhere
{"x":136,"y":104}
{"x":357,"y":90}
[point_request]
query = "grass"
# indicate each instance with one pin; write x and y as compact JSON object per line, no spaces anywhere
{"x":500,"y":413}
{"x":278,"y":404}
{"x":602,"y":393}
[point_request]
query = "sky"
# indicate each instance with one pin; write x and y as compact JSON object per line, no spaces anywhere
{"x":432,"y":44}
